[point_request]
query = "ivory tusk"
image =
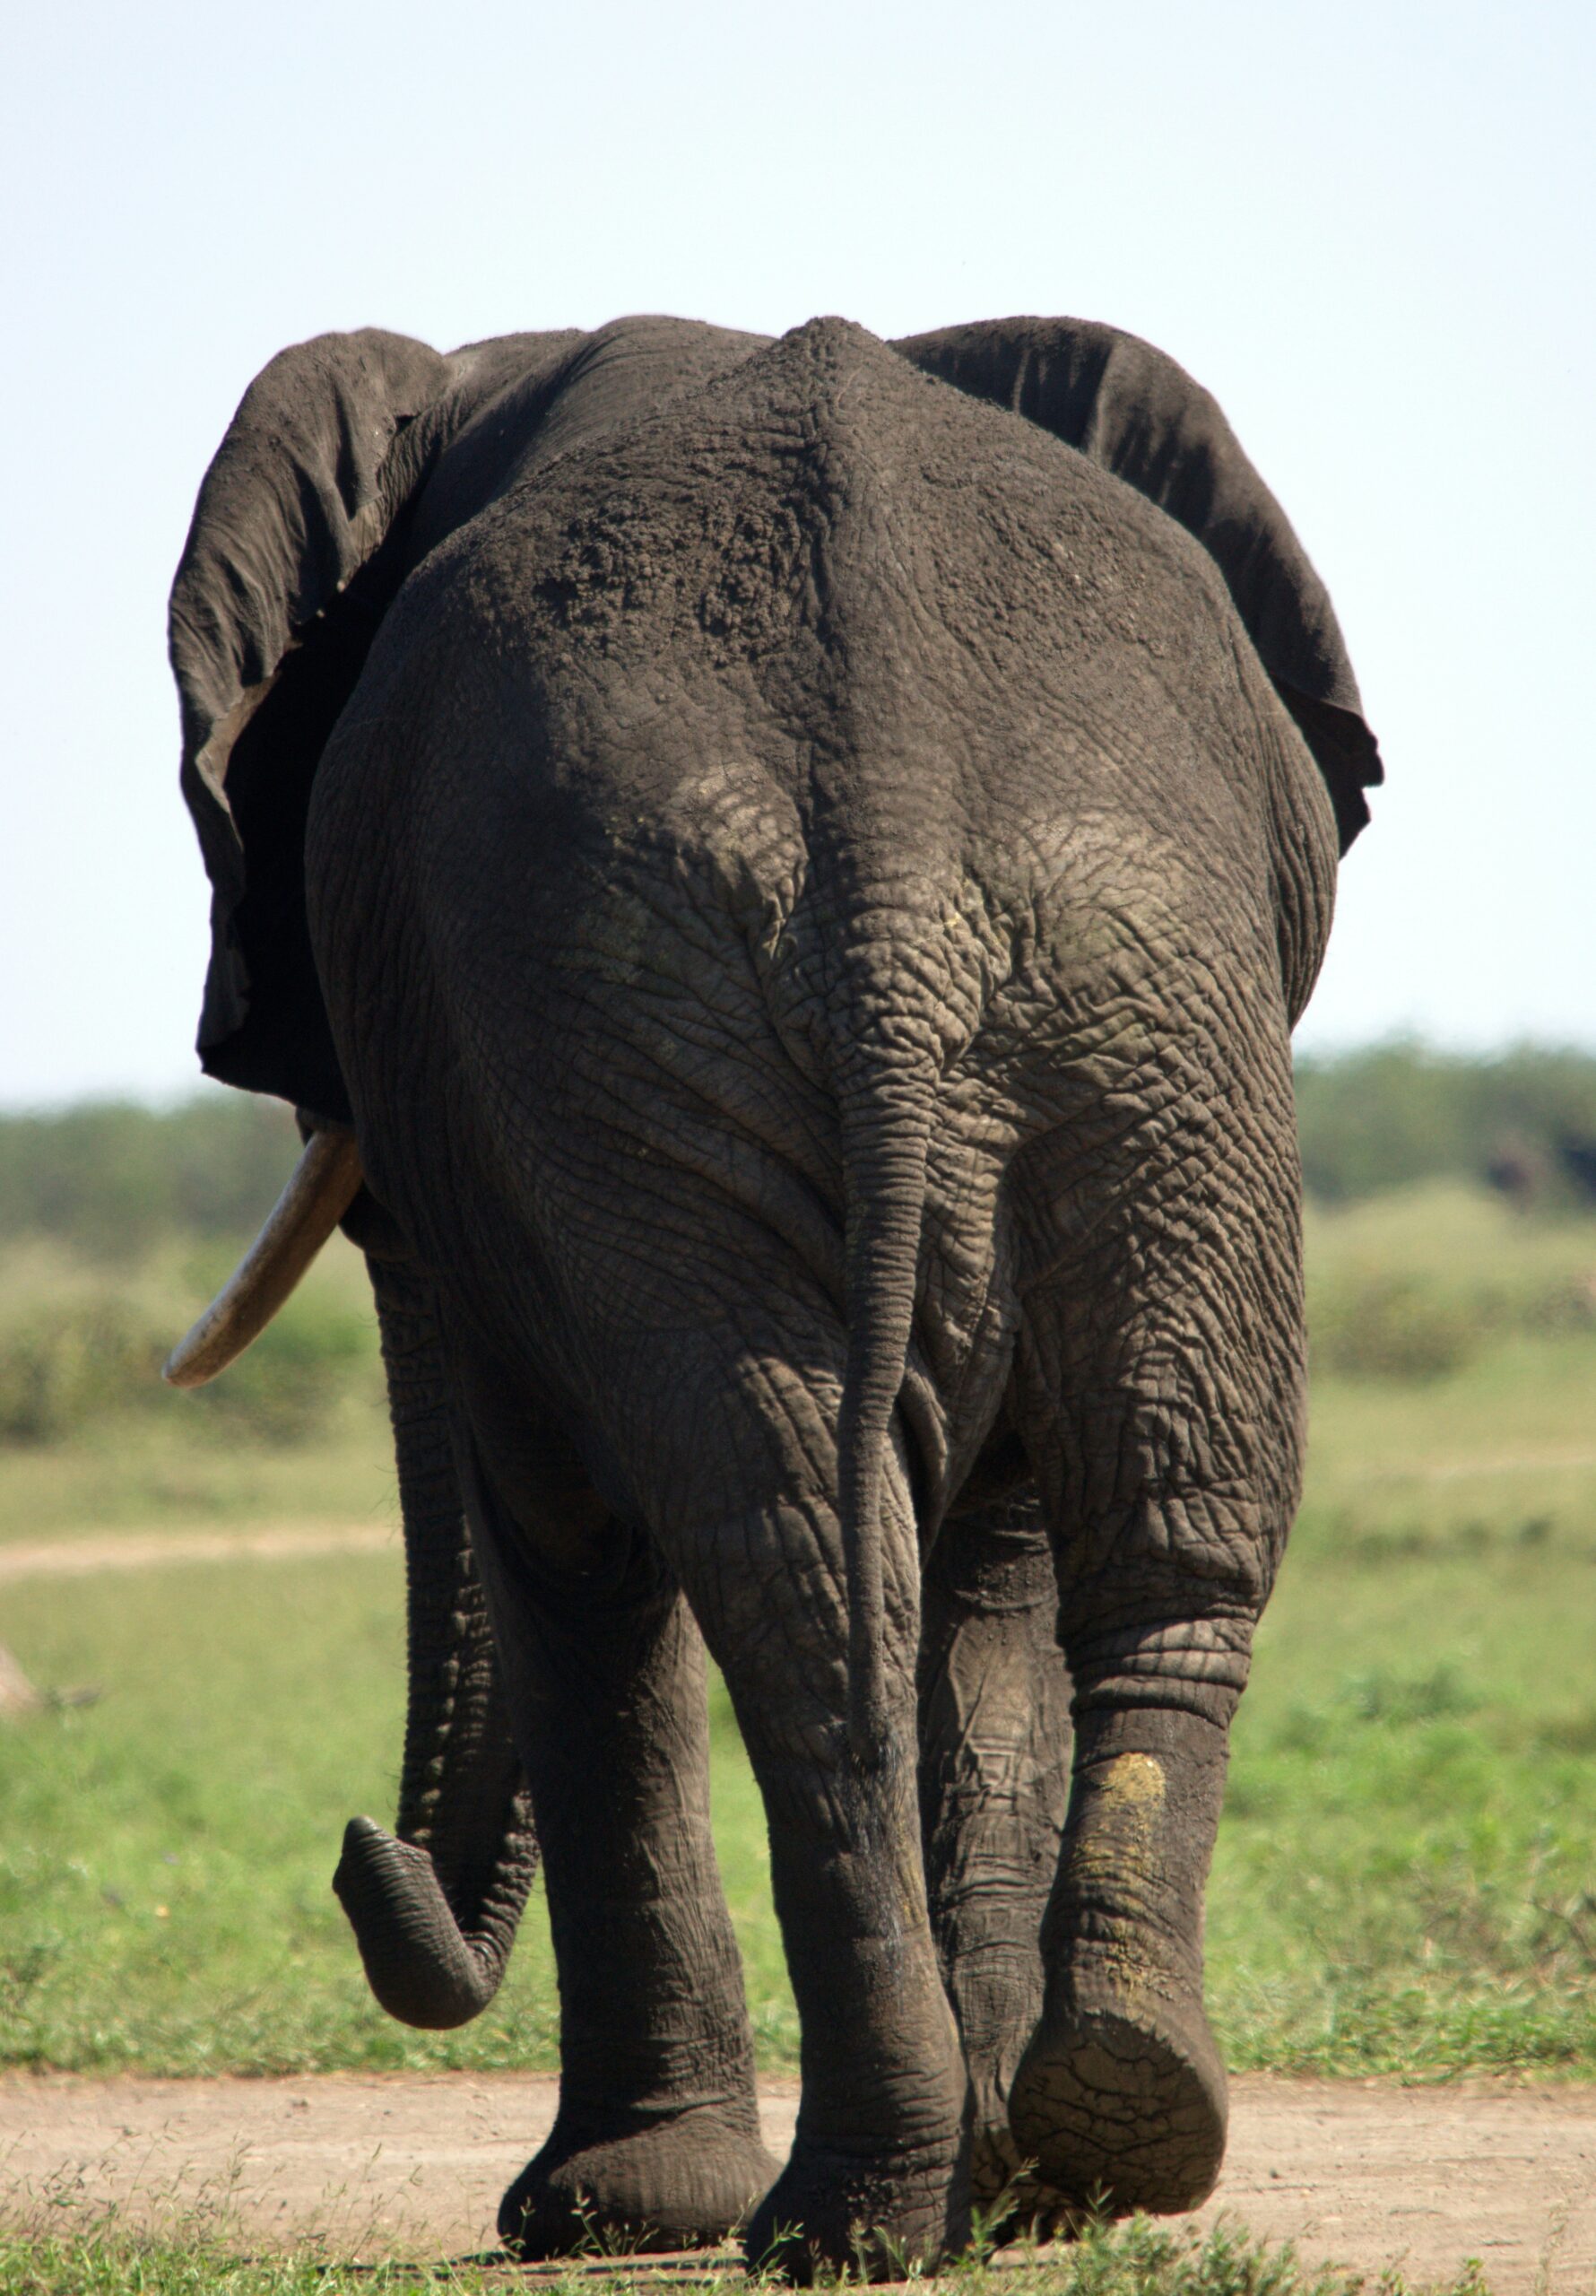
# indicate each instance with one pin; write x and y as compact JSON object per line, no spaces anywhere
{"x":324,"y":1183}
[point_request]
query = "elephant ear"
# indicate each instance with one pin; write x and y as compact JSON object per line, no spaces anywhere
{"x":290,"y":563}
{"x":1127,"y":406}
{"x":276,"y":599}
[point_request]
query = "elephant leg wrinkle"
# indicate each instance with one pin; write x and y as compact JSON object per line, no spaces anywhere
{"x":995,"y":1782}
{"x":1121,"y":2094}
{"x":657,"y":2144}
{"x":1160,"y":1381}
{"x":877,"y":2179}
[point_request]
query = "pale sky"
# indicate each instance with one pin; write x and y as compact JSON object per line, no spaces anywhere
{"x":1367,"y":229}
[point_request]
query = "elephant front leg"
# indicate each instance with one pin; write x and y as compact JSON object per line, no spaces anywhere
{"x":994,"y":1781}
{"x":656,"y":2144}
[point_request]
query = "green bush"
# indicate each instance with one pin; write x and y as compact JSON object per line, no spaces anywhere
{"x":94,"y":1354}
{"x":284,"y":1389}
{"x":1392,"y":1326}
{"x":1566,"y":1305}
{"x":113,"y":1179}
{"x":60,"y":1370}
{"x":1419,"y":1284}
{"x":1388,"y":1115}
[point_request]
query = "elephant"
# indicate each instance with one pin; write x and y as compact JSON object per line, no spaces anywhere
{"x":779,"y":874}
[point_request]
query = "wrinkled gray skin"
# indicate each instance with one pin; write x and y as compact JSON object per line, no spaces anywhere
{"x":801,"y":877}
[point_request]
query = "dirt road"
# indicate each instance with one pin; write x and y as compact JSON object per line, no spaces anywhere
{"x":1362,"y":2174}
{"x":94,"y":1553}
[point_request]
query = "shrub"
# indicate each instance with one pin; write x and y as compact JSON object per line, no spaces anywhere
{"x":1386,"y":1116}
{"x":86,"y":1357}
{"x":61,"y":1369}
{"x":1392,"y":1326}
{"x":288,"y":1384}
{"x":113,"y":1179}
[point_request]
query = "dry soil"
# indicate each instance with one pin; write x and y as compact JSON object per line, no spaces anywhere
{"x":1366,"y":2174}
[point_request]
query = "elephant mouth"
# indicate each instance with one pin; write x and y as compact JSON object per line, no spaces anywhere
{"x":324,"y":1183}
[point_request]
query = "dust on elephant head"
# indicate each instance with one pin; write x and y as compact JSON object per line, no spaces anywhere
{"x":351,"y":457}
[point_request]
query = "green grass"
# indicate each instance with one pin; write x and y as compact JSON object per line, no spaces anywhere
{"x":1138,"y":2258}
{"x":1407,"y":1867}
{"x":90,"y":1439}
{"x":166,"y":1853}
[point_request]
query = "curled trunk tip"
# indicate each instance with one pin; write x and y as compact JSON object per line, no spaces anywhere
{"x":423,"y":1968}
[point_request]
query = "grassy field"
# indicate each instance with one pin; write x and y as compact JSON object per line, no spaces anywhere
{"x":1405,"y":1878}
{"x":1135,"y":2260}
{"x":89,"y":1439}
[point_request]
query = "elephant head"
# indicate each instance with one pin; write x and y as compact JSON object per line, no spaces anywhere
{"x":351,"y":459}
{"x":295,"y":549}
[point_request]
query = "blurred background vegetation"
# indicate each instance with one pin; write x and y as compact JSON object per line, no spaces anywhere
{"x":1406,"y":1876}
{"x":1523,"y":1122}
{"x":116,"y":1222}
{"x":112,"y":1181}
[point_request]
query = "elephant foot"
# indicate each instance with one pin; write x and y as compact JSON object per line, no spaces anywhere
{"x":1013,"y":2201}
{"x":880,"y":2218}
{"x":682,"y":2179}
{"x":1120,"y":2099}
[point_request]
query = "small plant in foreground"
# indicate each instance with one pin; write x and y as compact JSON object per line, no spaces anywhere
{"x":1137,"y":2258}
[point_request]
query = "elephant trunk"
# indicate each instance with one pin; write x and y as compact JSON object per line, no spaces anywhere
{"x":435,"y":1906}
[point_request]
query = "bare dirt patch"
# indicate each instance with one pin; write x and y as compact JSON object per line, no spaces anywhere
{"x":1360,"y":2173}
{"x":96,"y":1552}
